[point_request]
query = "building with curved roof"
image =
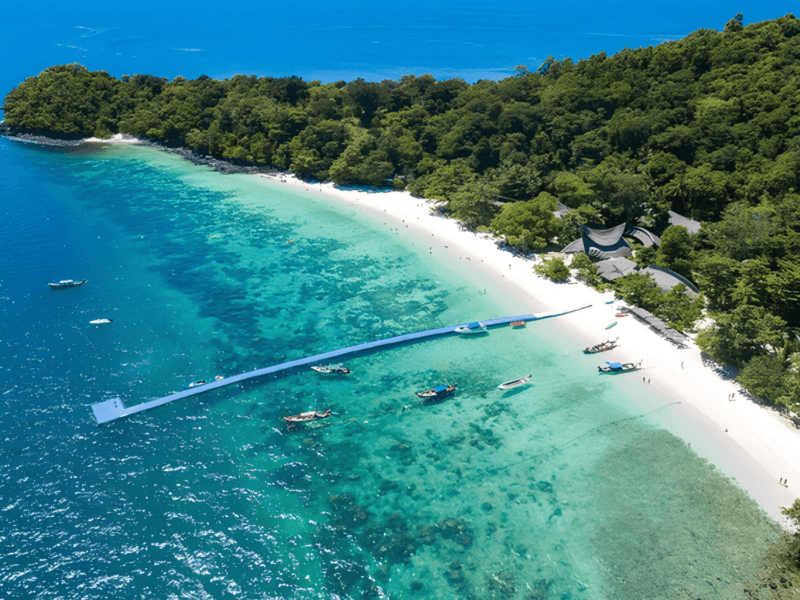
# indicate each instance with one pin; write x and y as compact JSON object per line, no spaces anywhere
{"x":644,"y":237}
{"x":561,"y":210}
{"x":666,"y":279}
{"x":676,"y":219}
{"x":601,"y":243}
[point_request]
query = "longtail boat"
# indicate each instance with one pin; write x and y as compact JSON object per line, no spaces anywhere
{"x":615,"y":367}
{"x":601,"y":347}
{"x":66,"y":283}
{"x":305,"y":417}
{"x":438,"y":393}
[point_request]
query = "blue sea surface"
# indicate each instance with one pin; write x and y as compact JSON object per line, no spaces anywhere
{"x":339,"y":40}
{"x":559,"y":489}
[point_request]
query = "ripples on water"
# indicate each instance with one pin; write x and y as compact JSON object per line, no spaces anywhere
{"x":488,"y":495}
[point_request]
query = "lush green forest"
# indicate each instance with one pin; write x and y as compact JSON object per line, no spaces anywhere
{"x":707,"y":126}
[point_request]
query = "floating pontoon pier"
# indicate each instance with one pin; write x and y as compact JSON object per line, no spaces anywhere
{"x":115,"y":408}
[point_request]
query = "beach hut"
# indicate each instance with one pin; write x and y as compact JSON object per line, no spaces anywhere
{"x":614,"y":268}
{"x":659,"y":326}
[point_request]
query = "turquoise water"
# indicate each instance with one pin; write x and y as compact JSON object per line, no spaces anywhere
{"x":548,"y":491}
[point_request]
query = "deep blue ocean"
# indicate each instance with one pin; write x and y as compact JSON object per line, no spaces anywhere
{"x":551,"y":491}
{"x":333,"y":40}
{"x":528,"y":494}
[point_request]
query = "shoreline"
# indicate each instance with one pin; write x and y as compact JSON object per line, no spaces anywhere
{"x":769,"y":444}
{"x":766,"y":443}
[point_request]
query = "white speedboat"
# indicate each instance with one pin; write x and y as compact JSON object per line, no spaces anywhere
{"x":100,"y":321}
{"x":515,"y":383}
{"x":472,"y":328}
{"x":331,"y":369}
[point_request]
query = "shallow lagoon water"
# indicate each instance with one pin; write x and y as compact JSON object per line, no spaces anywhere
{"x":554,"y":490}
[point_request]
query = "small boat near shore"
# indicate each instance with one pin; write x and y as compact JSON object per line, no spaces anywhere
{"x":517,"y":324}
{"x":601,"y":347}
{"x":472,"y":328}
{"x":332,"y":369}
{"x":620,"y":315}
{"x":438,"y":393}
{"x":615,"y":367}
{"x":612,"y":325}
{"x":515,"y":383}
{"x":196,"y":383}
{"x":307,"y":417}
{"x":100,"y":321}
{"x":66,"y":283}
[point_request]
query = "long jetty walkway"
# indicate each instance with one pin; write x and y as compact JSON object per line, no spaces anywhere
{"x":115,"y":408}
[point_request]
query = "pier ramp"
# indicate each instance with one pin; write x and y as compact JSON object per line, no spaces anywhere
{"x":114,"y":408}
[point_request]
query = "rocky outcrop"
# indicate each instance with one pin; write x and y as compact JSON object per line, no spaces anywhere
{"x":70,"y":141}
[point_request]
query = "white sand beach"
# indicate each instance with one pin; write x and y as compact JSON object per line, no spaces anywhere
{"x":119,"y":138}
{"x":755,"y":445}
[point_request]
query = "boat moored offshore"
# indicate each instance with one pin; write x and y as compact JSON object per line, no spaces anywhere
{"x":331,"y":369}
{"x":439,"y":392}
{"x":66,"y":283}
{"x":515,"y":383}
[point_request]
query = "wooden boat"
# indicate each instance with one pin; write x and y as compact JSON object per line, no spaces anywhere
{"x":331,"y":369}
{"x":438,"y":393}
{"x":615,"y":367}
{"x":305,"y":417}
{"x":620,"y":315}
{"x":100,"y":321}
{"x":601,"y":347}
{"x":612,"y":325}
{"x":517,"y":323}
{"x":515,"y":383}
{"x":472,"y":328}
{"x":66,"y":283}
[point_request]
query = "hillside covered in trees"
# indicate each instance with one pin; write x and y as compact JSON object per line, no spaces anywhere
{"x":707,"y":126}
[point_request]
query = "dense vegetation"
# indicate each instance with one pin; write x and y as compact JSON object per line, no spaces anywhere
{"x":708,"y":126}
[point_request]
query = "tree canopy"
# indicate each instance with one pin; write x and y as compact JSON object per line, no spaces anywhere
{"x":707,"y":126}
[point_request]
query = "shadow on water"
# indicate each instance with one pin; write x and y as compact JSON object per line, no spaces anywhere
{"x":516,"y":391}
